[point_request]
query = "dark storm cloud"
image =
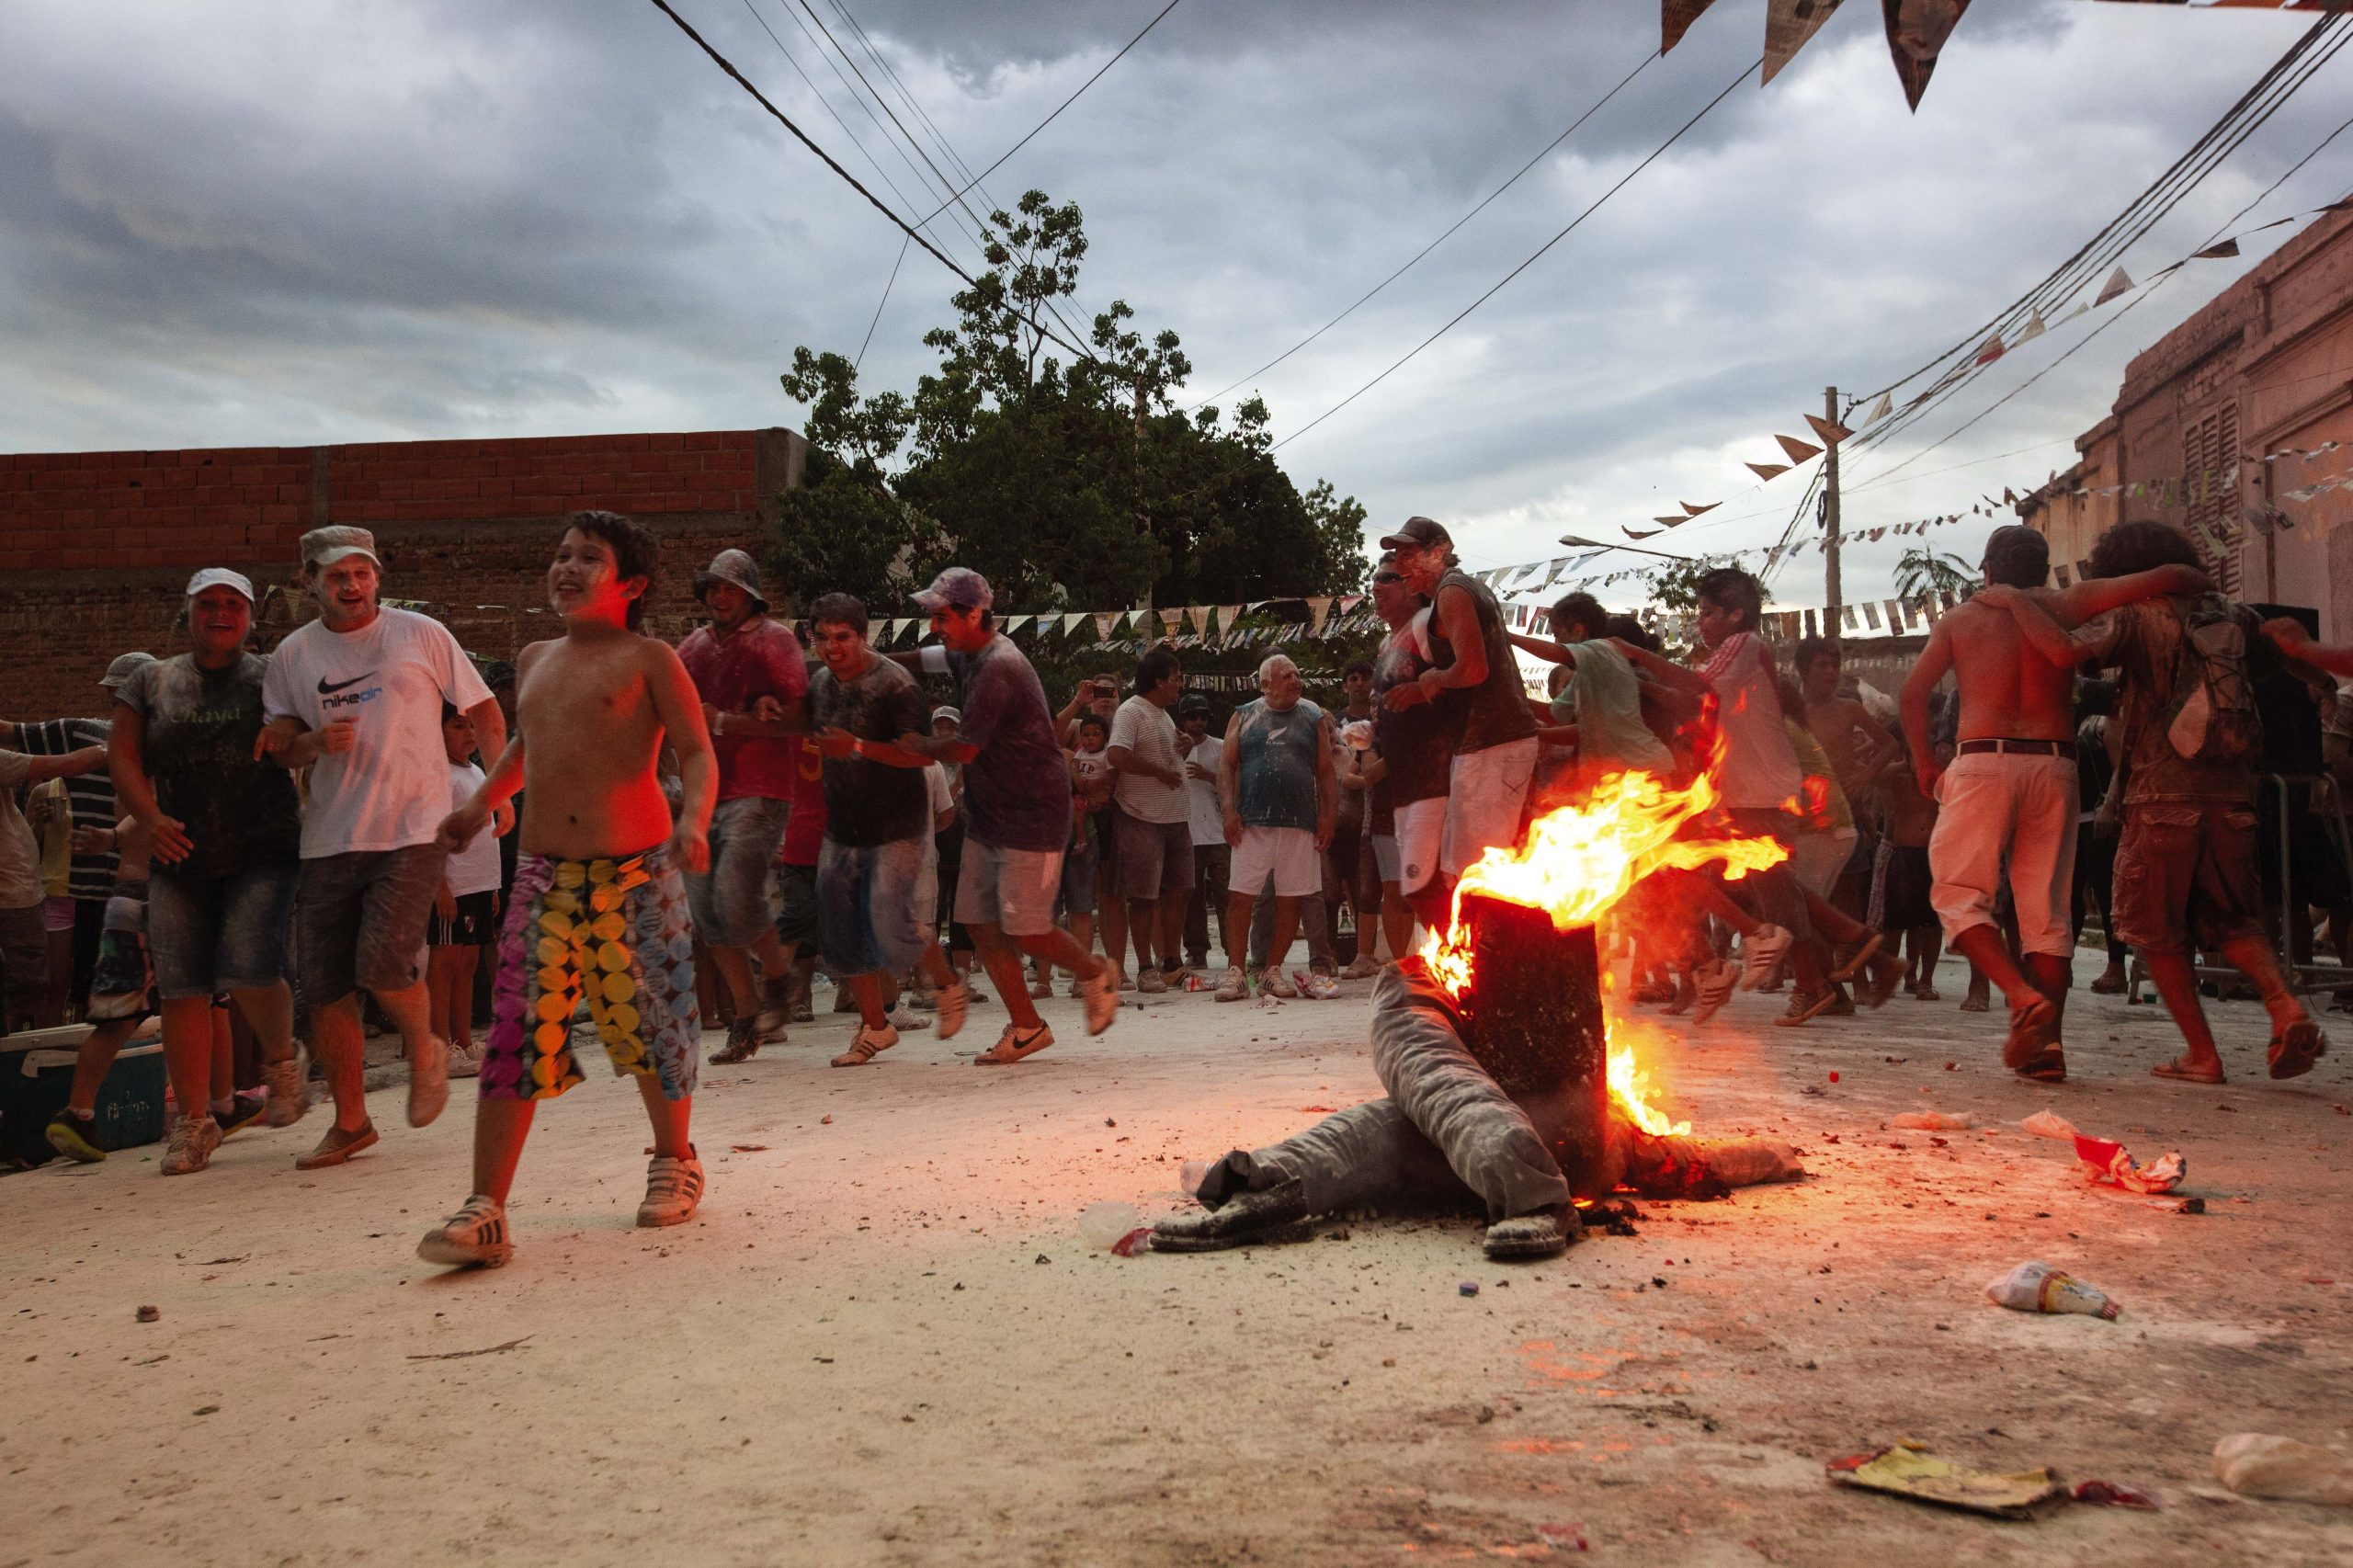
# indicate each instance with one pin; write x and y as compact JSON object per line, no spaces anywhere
{"x":301,"y":219}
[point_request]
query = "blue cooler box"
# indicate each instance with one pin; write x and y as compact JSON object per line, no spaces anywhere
{"x":37,"y":1074}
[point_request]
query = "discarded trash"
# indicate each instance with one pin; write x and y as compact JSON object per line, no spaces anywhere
{"x":1103,"y":1225}
{"x":1136,"y":1241}
{"x":1315,"y":987}
{"x":1568,"y":1538}
{"x":2257,"y":1465}
{"x":1468,"y":1288}
{"x":150,"y":1314}
{"x":2111,"y":1493}
{"x":825,"y":1122}
{"x":748,"y":1148}
{"x":1705,"y":1167}
{"x":2036,"y":1287}
{"x":1908,"y":1472}
{"x":1935,"y":1121}
{"x":1833,"y":1077}
{"x":1195,"y":1172}
{"x":2110,"y":1164}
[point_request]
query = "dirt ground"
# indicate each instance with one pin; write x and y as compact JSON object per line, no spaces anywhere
{"x":883,"y":1341}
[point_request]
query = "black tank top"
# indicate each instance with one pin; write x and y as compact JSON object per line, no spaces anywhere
{"x":1493,"y":712}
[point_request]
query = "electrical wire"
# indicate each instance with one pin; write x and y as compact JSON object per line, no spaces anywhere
{"x":858,"y":363}
{"x":1456,"y":320}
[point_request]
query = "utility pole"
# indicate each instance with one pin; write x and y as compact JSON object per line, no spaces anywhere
{"x":1830,"y":515}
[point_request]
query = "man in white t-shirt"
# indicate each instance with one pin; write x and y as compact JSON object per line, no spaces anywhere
{"x":1212,"y":854}
{"x":1151,"y":815}
{"x":356,"y":697}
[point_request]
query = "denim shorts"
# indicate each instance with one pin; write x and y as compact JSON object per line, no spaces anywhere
{"x":212,"y":933}
{"x":870,"y":914}
{"x":796,"y":904}
{"x":363,"y":917}
{"x":1080,"y":866}
{"x":730,"y":901}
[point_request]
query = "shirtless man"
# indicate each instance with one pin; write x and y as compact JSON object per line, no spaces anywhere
{"x":598,"y":903}
{"x":1860,"y":749}
{"x":2012,"y":787}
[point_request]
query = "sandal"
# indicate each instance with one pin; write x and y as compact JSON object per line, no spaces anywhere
{"x":2296,"y":1048}
{"x":1013,"y":1045}
{"x":2181,"y":1075}
{"x":2047,"y":1066}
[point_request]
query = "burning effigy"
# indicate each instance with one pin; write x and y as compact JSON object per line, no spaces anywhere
{"x":1509,"y":1091}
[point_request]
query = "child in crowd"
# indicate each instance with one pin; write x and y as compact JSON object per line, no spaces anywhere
{"x":600,"y":904}
{"x":465,"y":907}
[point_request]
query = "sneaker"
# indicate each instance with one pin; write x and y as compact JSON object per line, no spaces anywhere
{"x":428,"y":1082}
{"x":243,"y":1111}
{"x":337,"y":1146}
{"x":907,"y":1019}
{"x":1077,"y":988}
{"x":1043,"y":990}
{"x":864,"y":1047}
{"x":1805,"y":1007}
{"x":673,"y":1190}
{"x":1236,"y":986}
{"x":1102,"y":1002}
{"x":802,"y":1013}
{"x":1013,"y":1045}
{"x":72,"y":1136}
{"x":1152,"y":982}
{"x":952,"y":1004}
{"x":475,"y":1236}
{"x":1714,"y":988}
{"x":1275,"y":983}
{"x":1363,"y":967}
{"x":743,"y":1044}
{"x":776,"y":1011}
{"x":289,"y":1096}
{"x":1761,"y":954}
{"x":465,"y":1062}
{"x":193,"y":1139}
{"x":1882,"y":975}
{"x":1127,"y":981}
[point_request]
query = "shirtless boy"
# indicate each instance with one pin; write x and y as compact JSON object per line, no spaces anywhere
{"x":2012,"y":786}
{"x":598,"y":903}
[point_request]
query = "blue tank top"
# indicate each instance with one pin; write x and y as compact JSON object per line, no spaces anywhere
{"x":1276,"y":786}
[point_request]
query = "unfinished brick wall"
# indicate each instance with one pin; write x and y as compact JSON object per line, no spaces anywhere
{"x":95,"y":547}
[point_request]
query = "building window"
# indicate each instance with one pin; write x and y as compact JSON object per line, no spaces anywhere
{"x":2209,"y":467}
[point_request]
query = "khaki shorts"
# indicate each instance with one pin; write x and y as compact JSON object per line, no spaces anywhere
{"x":1486,"y":802}
{"x":1013,"y":890}
{"x":1996,"y":804}
{"x":2186,"y":868}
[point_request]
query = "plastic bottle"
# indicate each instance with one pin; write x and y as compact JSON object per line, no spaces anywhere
{"x":2036,"y":1287}
{"x":1196,"y":1171}
{"x":1101,"y":1225}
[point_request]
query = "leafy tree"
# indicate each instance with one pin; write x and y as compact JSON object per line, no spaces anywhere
{"x":1065,"y":478}
{"x":1922,"y":570}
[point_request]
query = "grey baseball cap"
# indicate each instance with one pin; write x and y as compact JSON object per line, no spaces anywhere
{"x":220,"y":577}
{"x":124,"y":666}
{"x":1418,"y":533}
{"x":959,"y":587}
{"x":736,"y":568}
{"x":322,"y":548}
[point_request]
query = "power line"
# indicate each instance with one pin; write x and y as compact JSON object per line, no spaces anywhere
{"x":1646,"y":61}
{"x":850,"y":179}
{"x":885,"y":299}
{"x":1654,"y":155}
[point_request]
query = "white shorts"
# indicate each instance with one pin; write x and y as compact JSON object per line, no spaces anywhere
{"x":1996,"y":803}
{"x":1384,"y":857}
{"x":1486,"y":796}
{"x":1816,"y":858}
{"x":1013,"y":890}
{"x":1421,"y":833}
{"x":1287,"y":854}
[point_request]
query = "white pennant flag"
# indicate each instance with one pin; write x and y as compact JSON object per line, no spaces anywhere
{"x":2119,"y":282}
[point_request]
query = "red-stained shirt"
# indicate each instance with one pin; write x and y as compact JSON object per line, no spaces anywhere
{"x":804,"y":833}
{"x":761,"y":658}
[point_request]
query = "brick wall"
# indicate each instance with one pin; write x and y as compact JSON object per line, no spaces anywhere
{"x":95,"y":546}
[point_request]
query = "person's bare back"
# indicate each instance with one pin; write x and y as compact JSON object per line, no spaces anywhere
{"x":585,"y":711}
{"x":2008,"y":689}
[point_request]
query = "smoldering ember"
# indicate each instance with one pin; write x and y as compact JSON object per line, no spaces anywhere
{"x":1342,"y":784}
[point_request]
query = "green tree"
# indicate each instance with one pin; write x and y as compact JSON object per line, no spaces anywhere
{"x":1922,"y":570}
{"x":1064,"y":479}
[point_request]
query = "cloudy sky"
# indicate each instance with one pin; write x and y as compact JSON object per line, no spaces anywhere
{"x":288,"y":222}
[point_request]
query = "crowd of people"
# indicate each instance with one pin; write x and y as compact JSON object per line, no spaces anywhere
{"x":261,"y":849}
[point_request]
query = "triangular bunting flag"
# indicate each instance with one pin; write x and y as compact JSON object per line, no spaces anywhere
{"x":1317,"y":608}
{"x":1991,"y":350}
{"x":2030,"y":331}
{"x":1830,"y":435}
{"x":2223,"y":252}
{"x":1670,"y":522}
{"x":1226,"y":616}
{"x":1882,"y":409}
{"x":1200,"y":616}
{"x":1171,"y":618}
{"x":1105,"y":622}
{"x":1072,"y":621}
{"x":1916,"y":31}
{"x":1691,"y":511}
{"x":1789,"y":24}
{"x":2119,"y":282}
{"x":1768,"y":470}
{"x":1799,"y":451}
{"x":1645,"y":533}
{"x":1870,"y":617}
{"x":1012,"y":623}
{"x":1348,"y":602}
{"x":1675,"y":18}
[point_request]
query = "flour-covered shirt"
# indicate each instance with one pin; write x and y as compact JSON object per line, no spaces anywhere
{"x":475,"y":868}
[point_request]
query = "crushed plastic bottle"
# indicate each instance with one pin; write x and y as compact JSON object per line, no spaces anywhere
{"x":1315,"y":987}
{"x":2256,"y":1464}
{"x":2036,"y":1287}
{"x":1195,"y":1172}
{"x":1935,"y":1121}
{"x":1101,"y":1225}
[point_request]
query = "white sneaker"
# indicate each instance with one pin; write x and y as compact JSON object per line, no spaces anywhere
{"x":428,"y":1082}
{"x":954,"y":1002}
{"x":1761,"y":954}
{"x":673,"y":1190}
{"x":475,"y":1236}
{"x":1102,"y":1000}
{"x":465,"y":1062}
{"x":1236,"y":986}
{"x":1364,"y":967}
{"x":1151,"y":982}
{"x":1275,"y":983}
{"x":868,"y":1044}
{"x":288,"y":1098}
{"x":906,"y":1019}
{"x":193,"y":1139}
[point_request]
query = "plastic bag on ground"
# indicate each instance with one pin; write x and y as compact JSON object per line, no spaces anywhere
{"x":1101,"y":1225}
{"x":2036,"y":1287}
{"x":2110,"y":1164}
{"x":2256,"y":1464}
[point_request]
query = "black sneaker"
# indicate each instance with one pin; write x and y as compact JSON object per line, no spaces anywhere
{"x":76,"y":1137}
{"x":243,"y":1111}
{"x":742,"y":1043}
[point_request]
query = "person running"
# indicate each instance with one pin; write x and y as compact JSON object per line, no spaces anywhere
{"x":1017,"y":802}
{"x":1275,"y":789}
{"x":1603,"y":703}
{"x":356,"y":697}
{"x":2009,"y":798}
{"x":465,"y":906}
{"x":122,"y":988}
{"x":600,"y":904}
{"x":1412,"y":749}
{"x":1153,"y":819}
{"x":1859,"y":748}
{"x":1212,"y":857}
{"x":224,"y":835}
{"x":754,"y":681}
{"x":2187,"y":661}
{"x":872,"y":922}
{"x":1474,"y":676}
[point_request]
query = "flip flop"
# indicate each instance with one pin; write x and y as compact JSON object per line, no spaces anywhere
{"x":2181,"y":1075}
{"x":2296,"y":1048}
{"x":2047,"y":1066}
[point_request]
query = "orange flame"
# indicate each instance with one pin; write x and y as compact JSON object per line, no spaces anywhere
{"x":1575,"y":864}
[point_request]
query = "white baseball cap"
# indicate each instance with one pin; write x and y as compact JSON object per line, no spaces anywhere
{"x":220,"y":577}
